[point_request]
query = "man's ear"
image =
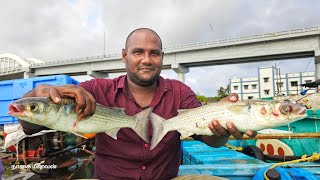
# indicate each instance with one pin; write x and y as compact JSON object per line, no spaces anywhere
{"x":124,"y":55}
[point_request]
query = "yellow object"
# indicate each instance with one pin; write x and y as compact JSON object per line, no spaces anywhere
{"x":235,"y":148}
{"x":90,"y":136}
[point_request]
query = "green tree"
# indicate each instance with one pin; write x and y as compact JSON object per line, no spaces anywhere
{"x":222,"y":93}
{"x":202,"y":99}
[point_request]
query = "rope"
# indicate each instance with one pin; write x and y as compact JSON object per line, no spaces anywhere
{"x":235,"y":148}
{"x":312,"y":158}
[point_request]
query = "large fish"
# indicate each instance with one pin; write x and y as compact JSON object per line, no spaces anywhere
{"x":246,"y":115}
{"x":62,"y":117}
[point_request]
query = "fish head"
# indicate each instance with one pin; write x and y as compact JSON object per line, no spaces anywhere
{"x":36,"y":110}
{"x":274,"y":114}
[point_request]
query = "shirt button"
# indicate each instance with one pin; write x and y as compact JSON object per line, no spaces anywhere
{"x":143,"y":167}
{"x":146,"y":145}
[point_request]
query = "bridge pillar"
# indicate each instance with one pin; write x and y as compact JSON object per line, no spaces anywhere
{"x":317,"y":63}
{"x":27,"y":73}
{"x":180,"y":70}
{"x":96,"y":74}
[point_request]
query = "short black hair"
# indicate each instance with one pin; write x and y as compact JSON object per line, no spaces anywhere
{"x":139,"y":29}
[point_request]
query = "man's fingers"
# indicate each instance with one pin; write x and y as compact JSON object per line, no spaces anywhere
{"x":54,"y":95}
{"x":234,"y":131}
{"x":220,"y":131}
{"x":93,"y":104}
{"x":85,"y":101}
{"x":233,"y":97}
{"x":251,"y":134}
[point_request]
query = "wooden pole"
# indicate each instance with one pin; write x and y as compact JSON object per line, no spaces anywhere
{"x":275,"y":136}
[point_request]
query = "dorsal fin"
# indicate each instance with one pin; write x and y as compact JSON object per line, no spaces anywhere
{"x":121,"y":110}
{"x":180,"y":111}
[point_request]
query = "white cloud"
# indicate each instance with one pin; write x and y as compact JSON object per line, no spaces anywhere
{"x":55,"y":30}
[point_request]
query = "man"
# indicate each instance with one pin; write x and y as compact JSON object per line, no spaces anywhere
{"x":129,"y":157}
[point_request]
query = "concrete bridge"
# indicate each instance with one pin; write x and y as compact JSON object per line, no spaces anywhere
{"x":297,"y":43}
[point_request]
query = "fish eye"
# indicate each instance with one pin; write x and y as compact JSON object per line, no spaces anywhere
{"x":33,"y":107}
{"x":286,"y":109}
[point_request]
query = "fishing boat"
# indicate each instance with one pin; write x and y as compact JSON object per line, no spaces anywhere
{"x":198,"y":158}
{"x":253,"y":157}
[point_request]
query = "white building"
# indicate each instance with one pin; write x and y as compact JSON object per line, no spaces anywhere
{"x":265,"y":85}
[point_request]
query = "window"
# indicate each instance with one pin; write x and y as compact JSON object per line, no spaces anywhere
{"x":266,"y":91}
{"x":294,"y":83}
{"x":280,"y":84}
{"x":250,"y":97}
{"x":266,"y":79}
{"x":308,"y":81}
{"x":246,"y":86}
{"x":254,"y":86}
{"x":235,"y":87}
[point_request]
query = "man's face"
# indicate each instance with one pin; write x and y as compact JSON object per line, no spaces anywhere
{"x":143,"y":57}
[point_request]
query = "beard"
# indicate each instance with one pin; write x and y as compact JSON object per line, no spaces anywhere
{"x":143,"y":82}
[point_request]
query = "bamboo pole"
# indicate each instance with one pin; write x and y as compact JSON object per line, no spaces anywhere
{"x":282,"y":136}
{"x":275,"y":136}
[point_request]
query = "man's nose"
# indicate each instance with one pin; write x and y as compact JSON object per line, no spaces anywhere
{"x":146,"y":58}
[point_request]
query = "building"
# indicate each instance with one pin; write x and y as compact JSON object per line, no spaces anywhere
{"x":269,"y":83}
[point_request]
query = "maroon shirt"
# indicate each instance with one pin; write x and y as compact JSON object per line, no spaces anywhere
{"x":129,"y":157}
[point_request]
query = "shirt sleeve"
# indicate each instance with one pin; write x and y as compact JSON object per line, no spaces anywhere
{"x":87,"y":85}
{"x":189,"y":99}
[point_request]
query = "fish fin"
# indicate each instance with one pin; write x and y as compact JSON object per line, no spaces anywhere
{"x":185,"y":134}
{"x":113,"y":133}
{"x":119,"y":109}
{"x":158,"y":130}
{"x":180,"y":111}
{"x":78,"y":134}
{"x":141,"y":127}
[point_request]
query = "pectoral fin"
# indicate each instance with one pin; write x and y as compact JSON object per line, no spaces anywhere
{"x":185,"y":134}
{"x":113,"y":133}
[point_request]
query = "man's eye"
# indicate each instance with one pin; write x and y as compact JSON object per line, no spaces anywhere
{"x":155,"y":53}
{"x":137,"y":52}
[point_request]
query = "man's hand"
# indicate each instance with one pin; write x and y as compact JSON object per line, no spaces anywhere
{"x":86,"y":104}
{"x":219,"y":131}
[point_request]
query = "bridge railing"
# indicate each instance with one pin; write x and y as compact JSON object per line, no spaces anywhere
{"x":243,"y":38}
{"x":10,"y":69}
{"x":70,"y":61}
{"x":182,"y":46}
{"x":192,"y":45}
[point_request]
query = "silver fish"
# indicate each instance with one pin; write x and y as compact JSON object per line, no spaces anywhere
{"x":246,"y":115}
{"x":62,"y":117}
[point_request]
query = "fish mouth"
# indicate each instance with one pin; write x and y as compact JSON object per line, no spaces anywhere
{"x":302,"y":111}
{"x":15,"y":109}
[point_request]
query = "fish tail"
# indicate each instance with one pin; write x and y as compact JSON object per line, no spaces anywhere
{"x":141,"y":127}
{"x":158,"y":130}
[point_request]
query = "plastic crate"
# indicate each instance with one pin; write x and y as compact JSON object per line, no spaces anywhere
{"x":11,"y":90}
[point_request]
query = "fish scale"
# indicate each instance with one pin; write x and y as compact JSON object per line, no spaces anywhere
{"x":245,"y":115}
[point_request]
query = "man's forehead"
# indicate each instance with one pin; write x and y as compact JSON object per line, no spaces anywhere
{"x":142,"y":34}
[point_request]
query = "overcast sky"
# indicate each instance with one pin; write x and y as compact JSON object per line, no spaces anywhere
{"x":55,"y":30}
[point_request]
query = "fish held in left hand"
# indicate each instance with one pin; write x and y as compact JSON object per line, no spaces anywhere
{"x":245,"y":115}
{"x":62,"y":117}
